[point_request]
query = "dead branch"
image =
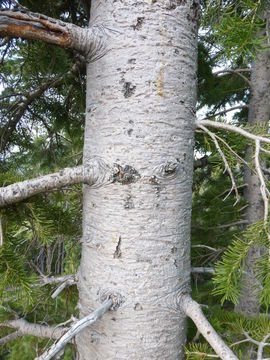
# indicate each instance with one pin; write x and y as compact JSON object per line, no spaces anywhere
{"x":75,"y":329}
{"x":27,"y":328}
{"x":192,"y":309}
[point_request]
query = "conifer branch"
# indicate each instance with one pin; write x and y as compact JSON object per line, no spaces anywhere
{"x":192,"y":309}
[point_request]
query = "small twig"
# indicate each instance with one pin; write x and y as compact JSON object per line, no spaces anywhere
{"x":60,"y":288}
{"x":261,"y":178}
{"x":205,"y":247}
{"x":227,"y":166}
{"x":236,"y":72}
{"x":238,"y":107}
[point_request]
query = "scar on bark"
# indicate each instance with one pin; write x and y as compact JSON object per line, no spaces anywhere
{"x":139,"y":23}
{"x":126,"y":175}
{"x":128,"y":89}
{"x":118,"y":253}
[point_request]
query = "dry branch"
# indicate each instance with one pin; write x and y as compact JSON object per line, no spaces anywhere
{"x":10,"y":337}
{"x":75,"y":329}
{"x":33,"y":26}
{"x":228,"y":127}
{"x":193,"y":310}
{"x":27,"y":328}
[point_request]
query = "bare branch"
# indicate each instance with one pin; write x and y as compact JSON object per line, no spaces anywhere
{"x":33,"y":26}
{"x":96,"y":172}
{"x":227,"y":166}
{"x":193,"y":310}
{"x":10,"y":337}
{"x":236,"y":72}
{"x":202,"y":270}
{"x":236,"y":129}
{"x":67,"y":283}
{"x":238,"y":107}
{"x":52,"y":280}
{"x":205,"y":247}
{"x":27,"y":328}
{"x":261,"y":347}
{"x":261,"y":178}
{"x":75,"y":329}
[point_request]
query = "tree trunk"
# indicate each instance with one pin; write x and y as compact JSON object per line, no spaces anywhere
{"x":259,"y":113}
{"x":136,"y":234}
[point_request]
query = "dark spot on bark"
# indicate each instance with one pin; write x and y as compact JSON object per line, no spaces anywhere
{"x":132,"y":61}
{"x":175,"y":263}
{"x":138,"y":307}
{"x":130,"y":131}
{"x":208,"y":332}
{"x":176,"y":51}
{"x":170,"y":168}
{"x":139,"y":23}
{"x":154,"y":180}
{"x":131,"y":121}
{"x":128,"y":89}
{"x":113,"y":319}
{"x":129,"y":203}
{"x":126,"y":175}
{"x":173,"y":250}
{"x":118,"y":253}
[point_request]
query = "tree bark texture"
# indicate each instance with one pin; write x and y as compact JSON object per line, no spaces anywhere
{"x":258,"y":115}
{"x":136,"y":234}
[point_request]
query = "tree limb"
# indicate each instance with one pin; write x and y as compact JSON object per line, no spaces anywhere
{"x":95,"y":172}
{"x":10,"y":337}
{"x":33,"y":26}
{"x":193,"y":310}
{"x":27,"y":328}
{"x":75,"y":329}
{"x":236,"y":129}
{"x":237,"y":72}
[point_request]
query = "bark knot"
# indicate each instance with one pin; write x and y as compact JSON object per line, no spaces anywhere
{"x":126,"y":175}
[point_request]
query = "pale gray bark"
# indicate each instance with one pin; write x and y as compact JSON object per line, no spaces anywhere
{"x":258,"y":115}
{"x":136,"y":236}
